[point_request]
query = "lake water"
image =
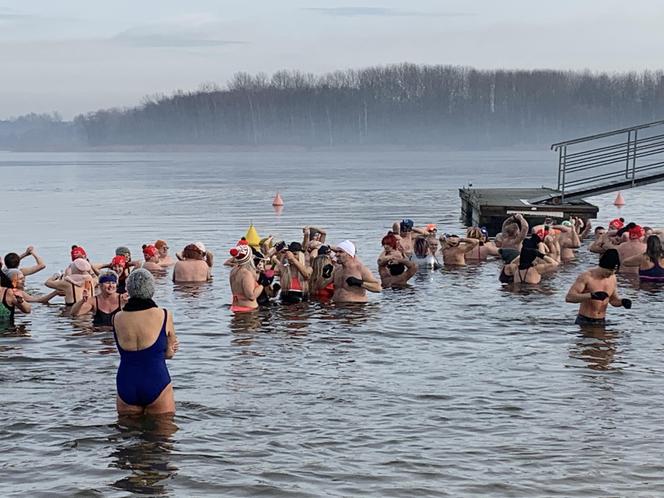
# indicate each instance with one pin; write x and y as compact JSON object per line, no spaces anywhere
{"x":453,"y":386}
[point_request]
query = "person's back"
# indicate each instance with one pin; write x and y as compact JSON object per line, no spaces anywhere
{"x":191,"y":270}
{"x":145,"y":337}
{"x":628,"y":249}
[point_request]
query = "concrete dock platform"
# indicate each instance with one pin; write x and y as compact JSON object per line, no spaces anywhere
{"x":489,"y":207}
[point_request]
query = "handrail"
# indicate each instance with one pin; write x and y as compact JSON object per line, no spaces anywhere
{"x":610,"y":164}
{"x":556,"y":146}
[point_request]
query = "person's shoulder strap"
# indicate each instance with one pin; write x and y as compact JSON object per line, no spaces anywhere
{"x":163,"y":326}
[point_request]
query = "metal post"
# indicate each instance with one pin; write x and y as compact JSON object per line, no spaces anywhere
{"x":564,"y":157}
{"x":629,"y":146}
{"x":634,"y":157}
{"x":560,"y":165}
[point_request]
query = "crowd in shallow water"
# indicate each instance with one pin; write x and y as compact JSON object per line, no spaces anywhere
{"x":264,"y":271}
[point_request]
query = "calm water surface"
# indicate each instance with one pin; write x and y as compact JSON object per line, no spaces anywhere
{"x":450,"y":387}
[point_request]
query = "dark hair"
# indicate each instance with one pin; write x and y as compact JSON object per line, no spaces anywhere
{"x":12,"y":260}
{"x":597,"y":229}
{"x":421,"y":247}
{"x":192,"y":252}
{"x":5,"y":281}
{"x":654,"y":248}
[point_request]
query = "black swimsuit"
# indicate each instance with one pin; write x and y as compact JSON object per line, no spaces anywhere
{"x":73,"y":291}
{"x":103,"y":319}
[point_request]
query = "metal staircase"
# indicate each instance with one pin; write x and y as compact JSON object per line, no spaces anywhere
{"x":607,"y":162}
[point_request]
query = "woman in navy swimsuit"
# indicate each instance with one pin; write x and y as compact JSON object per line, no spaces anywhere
{"x":145,"y":338}
{"x":651,"y":263}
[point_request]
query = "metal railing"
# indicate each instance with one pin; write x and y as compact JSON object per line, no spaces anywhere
{"x":618,"y":161}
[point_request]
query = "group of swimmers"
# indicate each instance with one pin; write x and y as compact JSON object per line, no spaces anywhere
{"x":119,"y":293}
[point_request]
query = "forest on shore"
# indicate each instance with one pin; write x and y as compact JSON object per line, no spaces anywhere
{"x":404,"y":104}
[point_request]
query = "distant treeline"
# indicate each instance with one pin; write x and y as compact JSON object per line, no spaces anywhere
{"x":399,"y":104}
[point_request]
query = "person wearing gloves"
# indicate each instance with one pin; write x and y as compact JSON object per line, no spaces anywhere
{"x":352,"y":279}
{"x":595,"y":289}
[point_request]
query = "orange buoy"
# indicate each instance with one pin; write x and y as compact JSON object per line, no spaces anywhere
{"x":620,"y":200}
{"x":278,"y":201}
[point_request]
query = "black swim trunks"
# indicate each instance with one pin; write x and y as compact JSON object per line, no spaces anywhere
{"x":584,"y":320}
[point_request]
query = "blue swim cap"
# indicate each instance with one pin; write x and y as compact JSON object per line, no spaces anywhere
{"x":406,"y":224}
{"x":108,"y":277}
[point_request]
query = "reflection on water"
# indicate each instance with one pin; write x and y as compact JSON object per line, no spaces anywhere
{"x":597,"y":346}
{"x":417,"y":392}
{"x":143,"y":447}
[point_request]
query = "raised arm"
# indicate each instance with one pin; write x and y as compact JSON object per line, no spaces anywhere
{"x":17,"y":299}
{"x":523,"y":232}
{"x":30,"y":270}
{"x":469,"y":244}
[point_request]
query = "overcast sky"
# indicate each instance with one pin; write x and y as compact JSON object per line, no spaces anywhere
{"x":79,"y":55}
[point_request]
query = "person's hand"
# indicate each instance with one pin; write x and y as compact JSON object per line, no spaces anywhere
{"x":354,"y":281}
{"x":29,"y":250}
{"x":176,"y":346}
{"x":599,"y":295}
{"x":264,"y":280}
{"x":124,"y":297}
{"x":290,"y":256}
{"x":85,"y":295}
{"x":327,"y":270}
{"x":627,"y":303}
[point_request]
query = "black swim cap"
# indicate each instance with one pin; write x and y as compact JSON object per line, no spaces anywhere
{"x":610,"y":260}
{"x":295,"y":247}
{"x":322,"y":250}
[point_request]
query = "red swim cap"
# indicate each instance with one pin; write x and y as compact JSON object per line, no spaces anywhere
{"x":242,"y":242}
{"x":119,"y":261}
{"x":541,"y":233}
{"x":636,"y":233}
{"x":150,"y":251}
{"x":78,"y":252}
{"x":617,"y":223}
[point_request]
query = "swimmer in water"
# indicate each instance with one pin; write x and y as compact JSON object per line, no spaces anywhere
{"x":293,"y":273}
{"x":352,"y":279}
{"x":595,"y":289}
{"x":10,"y":300}
{"x":404,"y":233}
{"x":245,"y":287}
{"x":454,"y":249}
{"x":509,"y":241}
{"x":17,"y":279}
{"x":484,"y":249}
{"x":105,"y":305}
{"x":194,"y":265}
{"x":77,"y":278}
{"x":393,"y":267}
{"x":165,"y":259}
{"x":531,"y":264}
{"x":650,"y":263}
{"x":152,"y":260}
{"x":145,"y":338}
{"x":321,"y":281}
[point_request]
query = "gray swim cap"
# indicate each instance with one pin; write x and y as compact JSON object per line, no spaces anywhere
{"x":122,"y":251}
{"x":140,"y":284}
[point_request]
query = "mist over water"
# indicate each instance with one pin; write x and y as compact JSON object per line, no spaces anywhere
{"x":452,"y":386}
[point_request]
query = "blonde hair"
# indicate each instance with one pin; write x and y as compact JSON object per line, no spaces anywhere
{"x":474,"y":233}
{"x":286,"y":273}
{"x":317,"y":280}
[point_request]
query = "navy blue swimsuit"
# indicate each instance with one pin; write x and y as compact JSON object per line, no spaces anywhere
{"x":142,"y":375}
{"x":655,"y":274}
